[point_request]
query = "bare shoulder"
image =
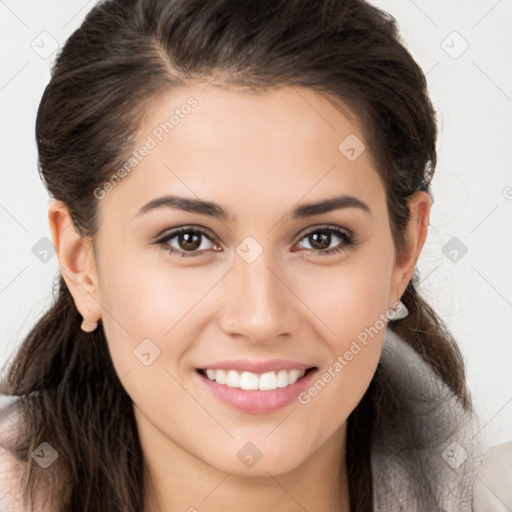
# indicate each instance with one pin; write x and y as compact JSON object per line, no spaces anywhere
{"x":492,"y":490}
{"x":50,"y":491}
{"x":10,"y":483}
{"x":11,"y":468}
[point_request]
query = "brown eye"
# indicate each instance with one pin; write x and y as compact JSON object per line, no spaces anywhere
{"x":187,"y":242}
{"x":321,"y":239}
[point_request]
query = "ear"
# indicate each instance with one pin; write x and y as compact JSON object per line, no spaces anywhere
{"x":416,"y":232}
{"x":76,"y":261}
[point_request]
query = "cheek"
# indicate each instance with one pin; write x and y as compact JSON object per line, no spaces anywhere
{"x":355,"y":350}
{"x":351,"y":301}
{"x":349,"y":298}
{"x":146,"y":300}
{"x":146,"y":318}
{"x":149,"y":300}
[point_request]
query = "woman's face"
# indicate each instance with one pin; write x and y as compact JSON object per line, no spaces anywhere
{"x":293,"y":269}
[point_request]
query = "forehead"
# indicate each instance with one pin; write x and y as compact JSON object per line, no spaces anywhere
{"x":276,"y":146}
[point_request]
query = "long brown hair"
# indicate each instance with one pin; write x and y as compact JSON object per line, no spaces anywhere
{"x":125,"y":54}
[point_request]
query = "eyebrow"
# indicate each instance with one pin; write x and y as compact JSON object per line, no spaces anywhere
{"x":215,"y":210}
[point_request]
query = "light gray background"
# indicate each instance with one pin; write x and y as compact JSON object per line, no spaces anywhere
{"x":472,"y":92}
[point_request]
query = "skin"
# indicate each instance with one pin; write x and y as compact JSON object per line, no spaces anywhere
{"x":259,"y":156}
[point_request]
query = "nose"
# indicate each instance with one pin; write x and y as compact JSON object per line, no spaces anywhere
{"x":258,"y":301}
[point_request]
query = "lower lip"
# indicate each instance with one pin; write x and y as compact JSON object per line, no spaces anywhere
{"x":257,"y":401}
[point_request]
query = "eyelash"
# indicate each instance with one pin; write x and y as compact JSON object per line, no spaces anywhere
{"x":349,"y":241}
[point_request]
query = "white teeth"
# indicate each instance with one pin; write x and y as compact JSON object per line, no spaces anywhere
{"x":249,"y":380}
{"x":233,"y":379}
{"x":293,"y":376}
{"x":220,"y":376}
{"x":252,"y":381}
{"x":268,"y":381}
{"x":282,"y":379}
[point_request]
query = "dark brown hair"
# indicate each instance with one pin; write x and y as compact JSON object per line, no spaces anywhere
{"x":123,"y":56}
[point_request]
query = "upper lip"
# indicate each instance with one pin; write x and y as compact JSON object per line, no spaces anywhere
{"x":248,"y":365}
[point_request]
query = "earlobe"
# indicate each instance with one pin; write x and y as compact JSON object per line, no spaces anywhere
{"x":416,"y":233}
{"x":76,"y":261}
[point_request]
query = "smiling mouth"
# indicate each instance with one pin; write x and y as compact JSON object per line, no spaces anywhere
{"x":250,"y":381}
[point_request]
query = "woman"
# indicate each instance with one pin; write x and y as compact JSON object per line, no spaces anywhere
{"x":241,"y":193}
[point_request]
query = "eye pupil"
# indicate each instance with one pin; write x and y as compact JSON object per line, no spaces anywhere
{"x":320,"y":239}
{"x":189,"y":241}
